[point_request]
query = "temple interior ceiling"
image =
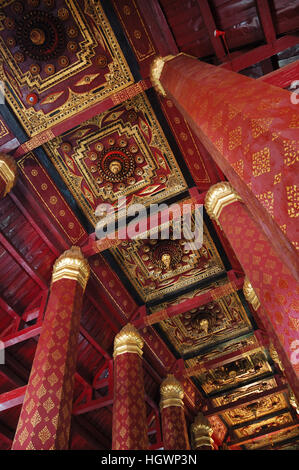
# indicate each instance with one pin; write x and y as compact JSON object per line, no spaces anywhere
{"x":59,"y":61}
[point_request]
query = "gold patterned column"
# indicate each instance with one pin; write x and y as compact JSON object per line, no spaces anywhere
{"x":129,"y":424}
{"x":174,"y":428}
{"x":8,"y":174}
{"x":250,"y":129}
{"x":201,"y":434}
{"x":271,"y":284}
{"x":45,"y":418}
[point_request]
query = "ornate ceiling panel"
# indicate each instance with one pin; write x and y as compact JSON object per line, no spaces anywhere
{"x":268,"y":425}
{"x":221,"y":349}
{"x":251,"y":366}
{"x":207,"y":325}
{"x":272,"y":439}
{"x":256,"y":409}
{"x":121,"y":152}
{"x":160,"y":267}
{"x":57,"y":58}
{"x":245,"y":391}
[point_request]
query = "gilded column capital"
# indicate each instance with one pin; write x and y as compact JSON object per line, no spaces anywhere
{"x":128,"y":340}
{"x":8,"y":171}
{"x":156,"y":72}
{"x":250,"y":294}
{"x":172,"y":392}
{"x":219,"y":196}
{"x":71,"y":265}
{"x":201,"y":431}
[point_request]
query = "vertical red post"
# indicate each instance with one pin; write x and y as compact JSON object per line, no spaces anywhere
{"x":129,"y":423}
{"x":45,"y":418}
{"x":174,"y":427}
{"x":275,"y":286}
{"x":250,"y":129}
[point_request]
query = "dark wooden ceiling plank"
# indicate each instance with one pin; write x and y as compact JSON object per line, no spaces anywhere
{"x":209,"y":21}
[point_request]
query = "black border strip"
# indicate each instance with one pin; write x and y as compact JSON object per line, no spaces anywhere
{"x":121,"y":39}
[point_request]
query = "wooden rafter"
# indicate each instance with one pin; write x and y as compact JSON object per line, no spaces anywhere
{"x":210,"y":24}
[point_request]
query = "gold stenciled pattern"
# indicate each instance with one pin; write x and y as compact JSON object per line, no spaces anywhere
{"x":293,"y":200}
{"x":261,"y":162}
{"x":260,"y":126}
{"x":235,"y":138}
{"x":291,"y":152}
{"x":267,"y":199}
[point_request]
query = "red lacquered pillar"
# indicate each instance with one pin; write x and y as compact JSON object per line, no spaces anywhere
{"x":174,"y":427}
{"x":129,"y":423}
{"x":45,"y":418}
{"x":250,"y":128}
{"x":275,"y":287}
{"x":8,"y":174}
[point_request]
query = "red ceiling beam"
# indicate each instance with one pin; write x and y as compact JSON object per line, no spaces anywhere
{"x":23,"y":335}
{"x":21,"y":261}
{"x":283,"y":77}
{"x":13,"y":398}
{"x":189,"y":304}
{"x":88,"y":437}
{"x":210,"y":24}
{"x":266,"y":20}
{"x":47,"y":224}
{"x":243,"y":61}
{"x":92,"y":431}
{"x":93,"y":405}
{"x":33,"y":221}
{"x":10,"y":376}
{"x":4,"y":306}
{"x":94,"y":343}
{"x":77,"y":119}
{"x":158,"y":26}
{"x":94,"y":245}
{"x":104,"y":311}
{"x":248,"y":399}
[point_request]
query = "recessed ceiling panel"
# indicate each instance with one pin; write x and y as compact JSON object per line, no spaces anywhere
{"x":57,"y":58}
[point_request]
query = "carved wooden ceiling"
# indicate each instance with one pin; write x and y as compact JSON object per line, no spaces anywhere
{"x":78,"y":100}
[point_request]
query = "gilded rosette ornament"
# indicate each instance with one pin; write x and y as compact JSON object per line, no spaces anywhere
{"x":71,"y":265}
{"x":219,"y":196}
{"x":8,"y":172}
{"x":250,"y":294}
{"x":128,"y":340}
{"x":172,"y":392}
{"x":156,"y":72}
{"x":201,"y":432}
